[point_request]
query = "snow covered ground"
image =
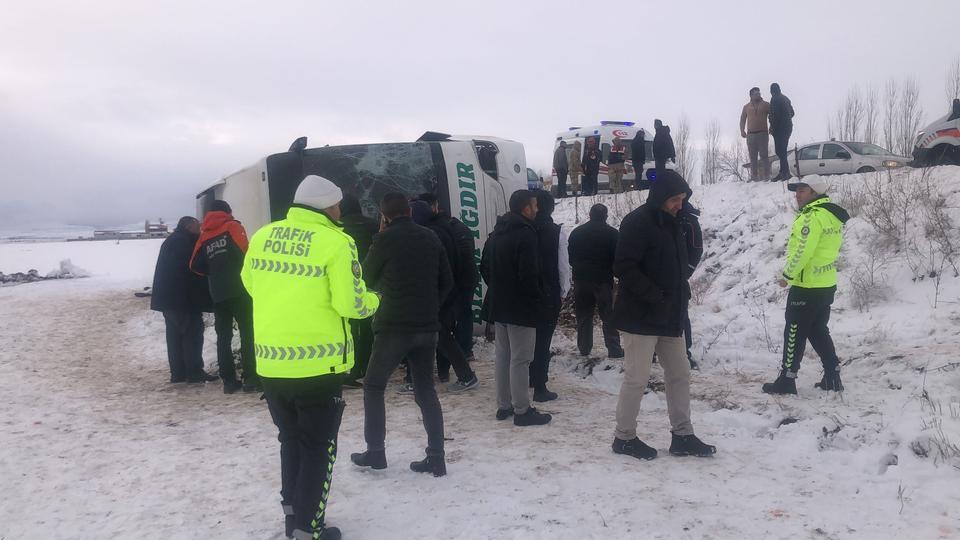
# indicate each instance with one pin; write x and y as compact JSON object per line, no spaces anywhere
{"x":97,"y":445}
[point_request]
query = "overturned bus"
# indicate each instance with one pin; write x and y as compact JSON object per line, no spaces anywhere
{"x":473,"y":178}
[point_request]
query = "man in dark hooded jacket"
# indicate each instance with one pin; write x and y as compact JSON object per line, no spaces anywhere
{"x":590,"y":165}
{"x":689,"y":218}
{"x":781,"y":127}
{"x":219,"y":255}
{"x":362,"y":229}
{"x":182,"y":297}
{"x":556,"y":278}
{"x":638,"y":155}
{"x":653,"y":267}
{"x":593,"y":247}
{"x":663,"y":149}
{"x":511,"y":267}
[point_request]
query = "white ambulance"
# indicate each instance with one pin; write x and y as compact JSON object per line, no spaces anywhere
{"x":473,"y":177}
{"x":604,"y":134}
{"x":939,"y":143}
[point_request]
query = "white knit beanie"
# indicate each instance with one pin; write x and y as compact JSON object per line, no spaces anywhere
{"x":318,"y":192}
{"x":814,"y":181}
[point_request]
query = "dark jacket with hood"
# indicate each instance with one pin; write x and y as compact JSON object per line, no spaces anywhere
{"x":219,"y":254}
{"x":689,"y":217}
{"x":175,"y":287}
{"x":358,"y":226}
{"x":781,"y":114}
{"x":592,"y":249}
{"x":638,"y":150}
{"x":407,"y":266}
{"x":663,"y":149}
{"x":548,"y":239}
{"x":511,"y":267}
{"x":653,"y":266}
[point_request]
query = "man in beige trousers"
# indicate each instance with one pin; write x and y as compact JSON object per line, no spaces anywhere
{"x":652,"y":265}
{"x":754,"y":128}
{"x":573,"y":164}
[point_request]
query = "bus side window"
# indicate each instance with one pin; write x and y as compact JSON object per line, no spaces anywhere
{"x":487,"y":156}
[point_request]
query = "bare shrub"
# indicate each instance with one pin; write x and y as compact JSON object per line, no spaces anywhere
{"x":868,"y":282}
{"x":700,"y":286}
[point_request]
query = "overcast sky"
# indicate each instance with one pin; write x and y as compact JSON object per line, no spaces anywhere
{"x":115,"y":111}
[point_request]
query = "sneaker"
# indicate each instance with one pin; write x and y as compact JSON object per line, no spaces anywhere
{"x":690,"y":445}
{"x":406,"y":389}
{"x":503,"y":414}
{"x":434,"y":465}
{"x":541,"y":395}
{"x":635,"y":448}
{"x":231,"y":387}
{"x":371,"y":458}
{"x":830,"y":381}
{"x":463,"y":386}
{"x":783,"y":385}
{"x":532,"y":417}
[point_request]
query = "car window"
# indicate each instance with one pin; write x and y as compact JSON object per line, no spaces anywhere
{"x":830,"y":151}
{"x":866,"y":149}
{"x":810,"y":152}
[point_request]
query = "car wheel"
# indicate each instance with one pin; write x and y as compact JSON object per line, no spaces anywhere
{"x":866,"y":169}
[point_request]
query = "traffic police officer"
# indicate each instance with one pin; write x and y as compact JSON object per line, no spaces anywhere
{"x":811,"y":273}
{"x":305,"y":280}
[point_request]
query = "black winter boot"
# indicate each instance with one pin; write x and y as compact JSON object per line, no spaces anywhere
{"x":434,"y":465}
{"x":785,"y":384}
{"x":543,"y":394}
{"x":375,"y":459}
{"x":326,"y":533}
{"x":690,"y":445}
{"x":830,"y":381}
{"x":635,"y":448}
{"x":532,"y":417}
{"x":503,"y":414}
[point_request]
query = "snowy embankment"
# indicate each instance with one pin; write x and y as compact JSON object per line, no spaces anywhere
{"x":97,"y":445}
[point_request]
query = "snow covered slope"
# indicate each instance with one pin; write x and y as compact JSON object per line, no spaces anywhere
{"x":95,"y":444}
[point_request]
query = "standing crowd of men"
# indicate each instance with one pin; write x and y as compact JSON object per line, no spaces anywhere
{"x":328,"y":298}
{"x":760,"y":119}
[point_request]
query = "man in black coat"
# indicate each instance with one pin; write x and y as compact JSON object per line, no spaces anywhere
{"x":362,"y":229}
{"x":448,"y":351}
{"x":511,"y":267}
{"x":590,"y":166}
{"x":561,"y":167}
{"x":638,"y":155}
{"x":653,"y":267}
{"x":182,"y":297}
{"x":555,"y":270}
{"x":407,"y":266}
{"x":663,"y":149}
{"x":781,"y":127}
{"x":593,"y":247}
{"x":466,"y":276}
{"x":689,"y":217}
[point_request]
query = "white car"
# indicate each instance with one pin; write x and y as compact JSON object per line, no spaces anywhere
{"x":839,"y":157}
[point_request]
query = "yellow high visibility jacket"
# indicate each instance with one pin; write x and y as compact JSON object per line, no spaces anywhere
{"x":305,"y":280}
{"x":814,"y":245}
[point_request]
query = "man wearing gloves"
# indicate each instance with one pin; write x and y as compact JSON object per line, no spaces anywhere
{"x":305,"y":280}
{"x":652,"y":265}
{"x":811,"y":273}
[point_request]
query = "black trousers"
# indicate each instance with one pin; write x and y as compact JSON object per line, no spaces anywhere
{"x":540,"y":366}
{"x":661,"y":167}
{"x":464,"y":331}
{"x":362,"y":331}
{"x":807,"y":316}
{"x":388,"y":350}
{"x":184,"y":344}
{"x":780,"y":141}
{"x":589,"y":184}
{"x":449,"y":352}
{"x":238,"y":309}
{"x":307,"y":412}
{"x":587,"y":297}
{"x":561,"y":183}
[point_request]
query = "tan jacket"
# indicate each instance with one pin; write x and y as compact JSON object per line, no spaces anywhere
{"x":573,"y":160}
{"x":754,"y":117}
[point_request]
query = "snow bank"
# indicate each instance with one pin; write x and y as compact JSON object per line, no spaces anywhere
{"x":124,"y":260}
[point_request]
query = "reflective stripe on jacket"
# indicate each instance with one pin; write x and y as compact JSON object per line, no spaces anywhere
{"x":305,"y":280}
{"x":814,"y":245}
